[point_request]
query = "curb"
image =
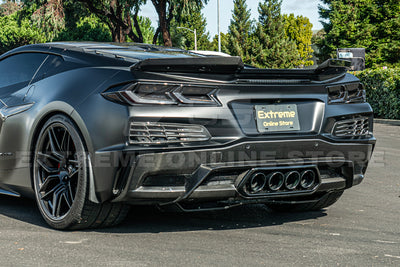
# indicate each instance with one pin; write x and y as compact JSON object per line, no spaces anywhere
{"x":386,"y":121}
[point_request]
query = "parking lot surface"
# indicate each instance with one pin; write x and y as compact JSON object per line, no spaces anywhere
{"x":361,"y":229}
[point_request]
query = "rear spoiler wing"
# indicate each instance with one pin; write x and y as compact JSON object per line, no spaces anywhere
{"x":218,"y":65}
{"x":234,"y":66}
{"x":329,"y":69}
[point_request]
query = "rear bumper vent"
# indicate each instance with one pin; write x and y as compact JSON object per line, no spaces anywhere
{"x":148,"y":133}
{"x":355,"y":127}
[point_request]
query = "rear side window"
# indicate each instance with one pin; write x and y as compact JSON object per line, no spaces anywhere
{"x":51,"y":66}
{"x":20,"y":68}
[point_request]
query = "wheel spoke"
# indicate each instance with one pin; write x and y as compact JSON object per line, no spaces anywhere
{"x":73,"y":161}
{"x":71,"y":195}
{"x":67,"y":199}
{"x":68,"y":145}
{"x":63,"y":141}
{"x":54,"y":145}
{"x":48,"y":169}
{"x":57,"y":202}
{"x":75,"y":171}
{"x":48,"y":156}
{"x":47,"y":182}
{"x":46,"y":195}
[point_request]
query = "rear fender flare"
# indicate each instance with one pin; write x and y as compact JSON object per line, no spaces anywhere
{"x":59,"y":107}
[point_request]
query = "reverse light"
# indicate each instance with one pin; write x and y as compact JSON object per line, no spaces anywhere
{"x":346,"y":93}
{"x":163,"y":94}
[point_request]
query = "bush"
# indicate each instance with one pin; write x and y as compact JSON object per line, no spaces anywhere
{"x":383,"y":91}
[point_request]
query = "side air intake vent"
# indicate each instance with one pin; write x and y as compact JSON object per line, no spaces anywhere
{"x":355,"y":127}
{"x":148,"y":133}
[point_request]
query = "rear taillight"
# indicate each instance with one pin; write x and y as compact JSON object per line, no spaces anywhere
{"x":162,"y":93}
{"x":346,"y":93}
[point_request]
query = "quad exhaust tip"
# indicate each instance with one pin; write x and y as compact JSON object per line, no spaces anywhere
{"x":257,"y":182}
{"x":275,"y":181}
{"x":292,"y":180}
{"x":307,"y":179}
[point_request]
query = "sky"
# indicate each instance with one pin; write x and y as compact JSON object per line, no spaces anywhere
{"x":307,"y":8}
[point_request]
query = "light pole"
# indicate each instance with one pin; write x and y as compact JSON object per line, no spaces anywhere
{"x":219,"y":32}
{"x":195,"y":35}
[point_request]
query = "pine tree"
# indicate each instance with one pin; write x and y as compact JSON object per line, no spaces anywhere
{"x":224,"y":43}
{"x":184,"y":38}
{"x":239,"y":31}
{"x":270,"y":47}
{"x":370,"y":24}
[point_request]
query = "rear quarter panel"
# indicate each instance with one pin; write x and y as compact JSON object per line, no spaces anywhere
{"x":61,"y":93}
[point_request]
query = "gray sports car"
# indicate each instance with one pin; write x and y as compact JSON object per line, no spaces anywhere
{"x":88,"y":129}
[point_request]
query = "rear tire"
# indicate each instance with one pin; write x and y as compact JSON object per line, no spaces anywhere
{"x":324,"y":202}
{"x":60,"y":177}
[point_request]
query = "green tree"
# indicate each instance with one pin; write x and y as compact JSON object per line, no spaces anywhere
{"x":184,"y":38}
{"x":9,"y":7}
{"x":370,"y":24}
{"x":167,"y":10}
{"x":74,"y":12}
{"x":121,"y":16}
{"x":239,"y":31}
{"x":317,"y":36}
{"x":73,"y":20}
{"x":270,"y":47}
{"x":16,"y":31}
{"x":86,"y":29}
{"x":299,"y":29}
{"x":224,"y":43}
{"x":92,"y":29}
{"x":146,"y":28}
{"x":49,"y":17}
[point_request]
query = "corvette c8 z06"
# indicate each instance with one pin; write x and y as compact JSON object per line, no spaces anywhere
{"x":88,"y":129}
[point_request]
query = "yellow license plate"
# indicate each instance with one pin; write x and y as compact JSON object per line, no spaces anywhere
{"x":277,"y":118}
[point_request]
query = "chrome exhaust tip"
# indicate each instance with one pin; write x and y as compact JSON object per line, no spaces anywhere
{"x":292,"y":180}
{"x":257,"y":182}
{"x":275,"y":181}
{"x":307,"y":179}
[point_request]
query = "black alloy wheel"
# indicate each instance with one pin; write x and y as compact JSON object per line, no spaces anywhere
{"x":57,"y":170}
{"x":60,"y":175}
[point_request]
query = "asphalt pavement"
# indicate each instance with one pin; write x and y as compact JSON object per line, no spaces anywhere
{"x":361,"y":229}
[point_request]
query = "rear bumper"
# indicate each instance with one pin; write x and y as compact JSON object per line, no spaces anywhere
{"x":340,"y":166}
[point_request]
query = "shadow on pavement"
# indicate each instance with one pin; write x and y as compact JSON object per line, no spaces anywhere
{"x":151,"y":220}
{"x":145,"y":219}
{"x":21,"y":209}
